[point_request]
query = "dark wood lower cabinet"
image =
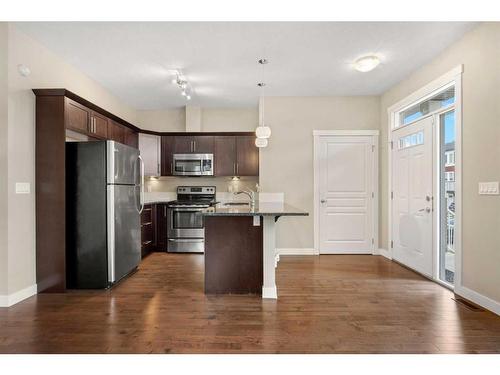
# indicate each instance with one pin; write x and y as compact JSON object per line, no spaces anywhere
{"x":233,"y":255}
{"x":153,"y":228}
{"x":148,"y":229}
{"x":161,"y":227}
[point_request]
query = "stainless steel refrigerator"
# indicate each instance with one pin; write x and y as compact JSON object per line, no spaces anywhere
{"x":104,"y":200}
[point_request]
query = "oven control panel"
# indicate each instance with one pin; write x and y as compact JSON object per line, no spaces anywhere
{"x":196,"y":190}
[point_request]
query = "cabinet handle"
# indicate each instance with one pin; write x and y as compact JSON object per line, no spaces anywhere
{"x":234,"y":169}
{"x":172,"y":167}
{"x":194,"y":146}
{"x":158,"y":168}
{"x":164,"y":211}
{"x":237,"y":168}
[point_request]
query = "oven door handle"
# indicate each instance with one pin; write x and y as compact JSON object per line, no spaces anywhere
{"x":186,"y":240}
{"x":176,"y":208}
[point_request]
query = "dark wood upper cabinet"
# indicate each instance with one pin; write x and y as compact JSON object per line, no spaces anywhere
{"x":77,"y":116}
{"x":234,"y":155}
{"x":167,"y":147}
{"x":81,"y":119}
{"x":131,"y":138}
{"x":203,"y":144}
{"x":247,"y":156}
{"x":183,"y":144}
{"x":116,"y":132}
{"x":98,"y":125}
{"x":225,"y":156}
{"x":200,"y":144}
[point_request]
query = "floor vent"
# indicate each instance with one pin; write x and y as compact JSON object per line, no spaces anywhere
{"x":467,"y":304}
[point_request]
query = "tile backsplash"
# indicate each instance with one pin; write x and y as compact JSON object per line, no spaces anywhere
{"x":222,"y":184}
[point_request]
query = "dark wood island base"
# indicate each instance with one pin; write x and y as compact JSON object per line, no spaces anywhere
{"x":233,"y":255}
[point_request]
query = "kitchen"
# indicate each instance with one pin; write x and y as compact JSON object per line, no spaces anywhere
{"x":166,"y":224}
{"x":191,"y":194}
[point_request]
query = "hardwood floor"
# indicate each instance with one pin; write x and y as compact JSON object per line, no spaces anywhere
{"x":328,"y":304}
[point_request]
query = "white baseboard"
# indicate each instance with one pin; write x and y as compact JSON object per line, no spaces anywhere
{"x":296,"y":251}
{"x":479,"y":299}
{"x":270,"y":292}
{"x":12,"y":299}
{"x":384,"y":252}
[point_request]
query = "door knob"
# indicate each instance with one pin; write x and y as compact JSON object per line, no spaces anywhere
{"x":323,"y":201}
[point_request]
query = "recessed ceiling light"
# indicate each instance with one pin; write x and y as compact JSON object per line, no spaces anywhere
{"x":366,"y":63}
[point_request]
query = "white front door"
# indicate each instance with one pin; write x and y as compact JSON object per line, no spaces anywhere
{"x":346,"y":192}
{"x":412,"y":198}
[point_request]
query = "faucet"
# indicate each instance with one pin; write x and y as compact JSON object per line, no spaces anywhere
{"x":250,"y":193}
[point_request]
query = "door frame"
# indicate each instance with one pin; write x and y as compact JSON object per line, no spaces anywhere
{"x":317,"y":135}
{"x":452,"y":77}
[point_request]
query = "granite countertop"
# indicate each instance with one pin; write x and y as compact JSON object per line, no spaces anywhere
{"x":260,"y":209}
{"x":157,"y":200}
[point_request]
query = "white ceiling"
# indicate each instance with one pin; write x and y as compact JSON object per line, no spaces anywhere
{"x":132,"y":60}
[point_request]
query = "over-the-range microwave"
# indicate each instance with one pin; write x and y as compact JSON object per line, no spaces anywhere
{"x":193,"y":165}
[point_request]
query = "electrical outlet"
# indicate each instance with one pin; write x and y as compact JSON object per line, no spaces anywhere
{"x":488,"y":188}
{"x":22,"y":187}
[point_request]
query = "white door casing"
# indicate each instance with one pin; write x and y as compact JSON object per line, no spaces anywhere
{"x":412,"y":196}
{"x":346,"y":168}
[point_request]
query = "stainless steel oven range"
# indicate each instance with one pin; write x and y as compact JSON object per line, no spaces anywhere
{"x":186,"y":232}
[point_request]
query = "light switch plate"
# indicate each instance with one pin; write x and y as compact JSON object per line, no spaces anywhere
{"x":22,"y":187}
{"x":488,"y":188}
{"x":256,"y":221}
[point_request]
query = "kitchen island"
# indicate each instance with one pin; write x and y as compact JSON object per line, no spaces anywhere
{"x":240,"y":247}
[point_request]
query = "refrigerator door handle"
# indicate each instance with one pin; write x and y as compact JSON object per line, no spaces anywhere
{"x":142,"y":184}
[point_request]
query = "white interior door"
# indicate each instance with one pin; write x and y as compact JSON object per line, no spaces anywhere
{"x":346,"y":193}
{"x":412,"y":188}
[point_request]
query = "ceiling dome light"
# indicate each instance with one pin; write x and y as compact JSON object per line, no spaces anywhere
{"x":261,"y":142}
{"x":366,"y":63}
{"x":263,"y":131}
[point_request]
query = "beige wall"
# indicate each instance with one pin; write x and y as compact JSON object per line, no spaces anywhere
{"x":3,"y":159}
{"x":229,"y":119}
{"x":286,"y":165}
{"x":47,"y":70}
{"x":212,"y":119}
{"x":479,"y":52}
{"x":169,"y":120}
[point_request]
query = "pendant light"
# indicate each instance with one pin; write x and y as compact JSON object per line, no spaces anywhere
{"x":263,"y":132}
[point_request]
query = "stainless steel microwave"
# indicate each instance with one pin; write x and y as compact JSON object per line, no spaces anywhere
{"x":193,"y":165}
